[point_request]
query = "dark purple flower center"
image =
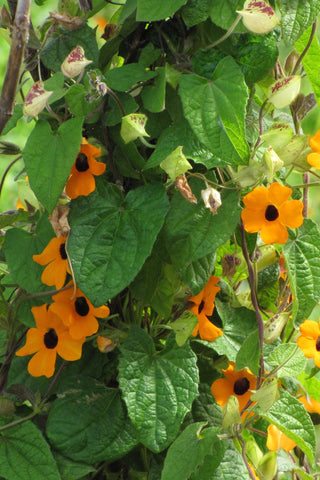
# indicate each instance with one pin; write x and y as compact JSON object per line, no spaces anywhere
{"x":51,"y":338}
{"x":81,"y":306}
{"x":318,"y":344}
{"x":82,"y":162}
{"x":62,"y":251}
{"x":271,"y":213}
{"x":201,"y":306}
{"x":241,"y":386}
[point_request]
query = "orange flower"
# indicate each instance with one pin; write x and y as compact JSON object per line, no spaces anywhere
{"x":311,"y":405}
{"x":55,"y":257}
{"x":81,"y":180}
{"x":277,"y":439}
{"x":309,"y":340}
{"x":77,"y":312}
{"x":235,"y":383}
{"x":270,"y":211}
{"x":314,"y":158}
{"x":49,"y":337}
{"x":203,"y":306}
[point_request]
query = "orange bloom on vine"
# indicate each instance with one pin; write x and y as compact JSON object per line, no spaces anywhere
{"x":55,"y":257}
{"x":269,"y":211}
{"x":77,"y":312}
{"x":49,"y":338}
{"x":85,"y":167}
{"x":277,"y":439}
{"x":203,"y":307}
{"x":314,"y":158}
{"x":239,"y":384}
{"x":309,"y":340}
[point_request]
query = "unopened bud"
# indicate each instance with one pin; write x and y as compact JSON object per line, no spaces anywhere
{"x":274,"y":326}
{"x":36,"y":99}
{"x":105,"y":344}
{"x":133,"y":126}
{"x":230,"y":412}
{"x":258,"y":16}
{"x":291,"y":61}
{"x":272,"y":162}
{"x":75,"y":63}
{"x":284,"y":91}
{"x":211,"y":198}
{"x":175,"y":164}
{"x":267,"y":466}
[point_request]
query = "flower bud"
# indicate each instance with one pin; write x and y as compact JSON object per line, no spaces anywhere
{"x":105,"y":344}
{"x":75,"y":63}
{"x":274,"y":326}
{"x":230,"y":413}
{"x":175,"y":164}
{"x":272,"y":163}
{"x":258,"y":16}
{"x":36,"y":99}
{"x":282,"y":92}
{"x":267,"y":466}
{"x":133,"y":126}
{"x":211,"y":198}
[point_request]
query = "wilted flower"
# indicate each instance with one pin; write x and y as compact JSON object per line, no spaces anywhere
{"x":36,"y":99}
{"x":75,"y":63}
{"x":211,"y":198}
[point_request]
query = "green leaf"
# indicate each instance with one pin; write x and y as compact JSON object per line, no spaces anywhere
{"x":249,"y":353}
{"x":49,"y":156}
{"x":302,"y":253}
{"x":70,"y":470}
{"x":13,"y":216}
{"x":216,"y":110}
{"x":267,"y":394}
{"x":123,"y":78}
{"x":192,"y":232}
{"x":195,"y":11}
{"x":77,"y":102}
{"x":289,"y":358}
{"x":153,"y":96}
{"x":184,"y":326}
{"x":156,"y":284}
{"x":55,"y":84}
{"x":113,"y":113}
{"x":205,"y":452}
{"x":153,"y":10}
{"x":12,"y":122}
{"x":223,"y":12}
{"x":181,"y":134}
{"x":205,"y":409}
{"x":19,"y":247}
{"x":290,"y":416}
{"x":232,"y":462}
{"x":158,"y":388}
{"x":111,"y":237}
{"x":296,"y":17}
{"x":97,"y":430}
{"x":24,"y":453}
{"x":58,"y":48}
{"x":310,"y":60}
{"x":195,"y":274}
{"x":312,"y":385}
{"x":238,"y":323}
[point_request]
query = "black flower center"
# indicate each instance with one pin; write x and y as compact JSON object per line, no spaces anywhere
{"x":51,"y":338}
{"x":318,"y":344}
{"x":81,"y":306}
{"x":201,"y":306}
{"x":241,"y":386}
{"x":82,"y":162}
{"x":271,"y":213}
{"x":62,"y":251}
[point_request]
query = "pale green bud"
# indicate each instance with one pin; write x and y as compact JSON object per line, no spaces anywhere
{"x":75,"y":63}
{"x":36,"y":99}
{"x":133,"y":126}
{"x":258,"y":16}
{"x":282,"y":92}
{"x":175,"y":164}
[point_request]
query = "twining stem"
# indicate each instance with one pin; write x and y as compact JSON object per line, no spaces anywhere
{"x":20,"y":34}
{"x":6,"y":172}
{"x":254,"y":301}
{"x":306,"y":180}
{"x":260,"y":123}
{"x":226,"y":35}
{"x":312,"y":34}
{"x":244,"y":456}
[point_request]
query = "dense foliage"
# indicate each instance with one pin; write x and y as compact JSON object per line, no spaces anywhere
{"x":160,"y":271}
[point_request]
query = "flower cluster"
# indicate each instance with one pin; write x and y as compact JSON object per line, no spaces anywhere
{"x":203,"y":305}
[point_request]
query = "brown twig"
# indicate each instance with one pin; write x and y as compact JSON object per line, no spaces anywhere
{"x":20,"y":34}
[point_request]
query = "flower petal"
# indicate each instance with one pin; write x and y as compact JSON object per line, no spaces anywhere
{"x":83,"y":326}
{"x":96,"y":168}
{"x":34,"y":342}
{"x":310,"y":329}
{"x":314,"y":160}
{"x":278,"y":194}
{"x":311,"y":405}
{"x":55,"y":273}
{"x":290,"y":214}
{"x":207,"y":330}
{"x":68,"y":348}
{"x":222,"y":389}
{"x":308,"y":346}
{"x":43,"y":363}
{"x":42,"y":319}
{"x":253,"y":219}
{"x":257,"y":199}
{"x":101,"y":312}
{"x":64,"y":311}
{"x":274,"y":232}
{"x":80,"y":183}
{"x":51,"y":252}
{"x":314,"y":142}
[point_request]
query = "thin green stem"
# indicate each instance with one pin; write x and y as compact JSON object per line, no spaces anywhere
{"x":226,"y":35}
{"x":312,"y":34}
{"x":244,"y":456}
{"x":7,"y":170}
{"x":147,"y":144}
{"x":18,"y":421}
